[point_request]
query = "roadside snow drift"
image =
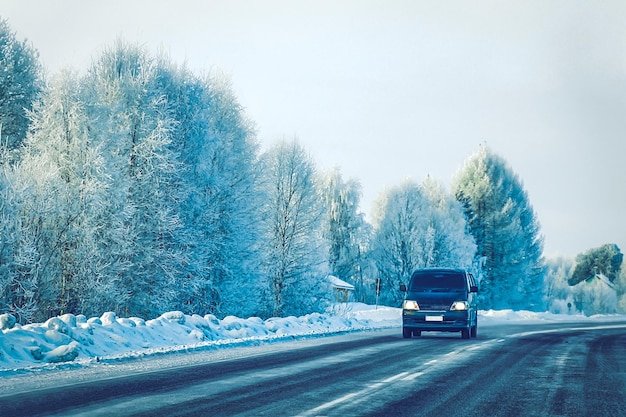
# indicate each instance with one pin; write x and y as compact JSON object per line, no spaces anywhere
{"x":68,"y":337}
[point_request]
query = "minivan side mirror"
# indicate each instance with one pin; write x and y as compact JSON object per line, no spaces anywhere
{"x":402,"y":287}
{"x":473,"y":288}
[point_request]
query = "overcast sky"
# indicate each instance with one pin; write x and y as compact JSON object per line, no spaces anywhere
{"x":387,"y":90}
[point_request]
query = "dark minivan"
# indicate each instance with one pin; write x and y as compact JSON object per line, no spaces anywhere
{"x":442,"y":300}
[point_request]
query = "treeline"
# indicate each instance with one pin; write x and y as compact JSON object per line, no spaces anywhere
{"x":139,"y":187}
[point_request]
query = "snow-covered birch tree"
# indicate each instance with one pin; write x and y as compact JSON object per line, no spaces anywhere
{"x":18,"y":250}
{"x":452,"y":245}
{"x":295,"y":265}
{"x":558,"y":294}
{"x":234,"y":198}
{"x":403,"y":237}
{"x":345,"y":228}
{"x":218,"y":148}
{"x":67,"y":203}
{"x":133,"y":124}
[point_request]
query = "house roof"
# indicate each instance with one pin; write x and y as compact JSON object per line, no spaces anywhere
{"x":340,"y":284}
{"x":602,"y":278}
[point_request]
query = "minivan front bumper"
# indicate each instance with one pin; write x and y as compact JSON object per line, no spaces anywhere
{"x":439,"y":321}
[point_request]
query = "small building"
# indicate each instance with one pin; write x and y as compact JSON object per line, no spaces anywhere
{"x":341,"y":289}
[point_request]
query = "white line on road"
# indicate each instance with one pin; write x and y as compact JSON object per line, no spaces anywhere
{"x":362,"y":393}
{"x":413,"y":376}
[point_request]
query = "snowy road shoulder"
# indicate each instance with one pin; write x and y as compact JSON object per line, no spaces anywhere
{"x":75,"y":338}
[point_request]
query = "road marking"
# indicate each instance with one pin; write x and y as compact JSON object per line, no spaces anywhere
{"x":332,"y":403}
{"x":413,"y":376}
{"x":393,"y":378}
{"x":362,"y":393}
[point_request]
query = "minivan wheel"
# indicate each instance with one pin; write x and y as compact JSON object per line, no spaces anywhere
{"x":406,"y":333}
{"x":465,"y":334}
{"x":417,"y":333}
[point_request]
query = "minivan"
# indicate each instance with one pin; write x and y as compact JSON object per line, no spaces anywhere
{"x":442,"y":300}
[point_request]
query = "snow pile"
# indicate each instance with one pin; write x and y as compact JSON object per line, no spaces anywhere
{"x":502,"y":316}
{"x":69,"y":337}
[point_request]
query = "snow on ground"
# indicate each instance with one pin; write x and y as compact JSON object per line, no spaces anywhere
{"x":71,"y":338}
{"x":76,"y":338}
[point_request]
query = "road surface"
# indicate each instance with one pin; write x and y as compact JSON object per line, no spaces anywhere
{"x":564,"y":369}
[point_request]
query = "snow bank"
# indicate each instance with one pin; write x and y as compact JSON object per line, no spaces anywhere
{"x":504,"y":316}
{"x":68,"y":337}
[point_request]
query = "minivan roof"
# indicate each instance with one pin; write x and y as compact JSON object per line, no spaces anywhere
{"x":431,"y":270}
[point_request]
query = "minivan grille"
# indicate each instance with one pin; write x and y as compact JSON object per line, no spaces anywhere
{"x":434,"y":307}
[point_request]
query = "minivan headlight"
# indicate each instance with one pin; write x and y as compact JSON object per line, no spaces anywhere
{"x":410,"y":305}
{"x":459,"y":306}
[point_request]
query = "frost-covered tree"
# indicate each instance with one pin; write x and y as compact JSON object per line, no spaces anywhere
{"x":595,"y":281}
{"x":558,"y":293}
{"x":67,"y":204}
{"x":606,"y":259}
{"x":345,"y":228}
{"x":418,"y":226}
{"x":506,"y":232}
{"x":295,"y":266}
{"x":595,"y":297}
{"x":452,"y":246}
{"x":189,"y":101}
{"x":133,"y":122}
{"x":403,"y":237}
{"x":139,"y":189}
{"x":20,"y":83}
{"x":219,"y":152}
{"x":18,"y":250}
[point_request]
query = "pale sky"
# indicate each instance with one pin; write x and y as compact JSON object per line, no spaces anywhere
{"x":387,"y":90}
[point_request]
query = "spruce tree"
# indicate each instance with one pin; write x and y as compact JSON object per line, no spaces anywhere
{"x":506,"y":231}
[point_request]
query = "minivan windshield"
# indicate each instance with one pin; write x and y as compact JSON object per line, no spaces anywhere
{"x":437,"y":281}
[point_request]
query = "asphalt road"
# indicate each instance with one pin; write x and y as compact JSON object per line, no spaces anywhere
{"x":521,"y":370}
